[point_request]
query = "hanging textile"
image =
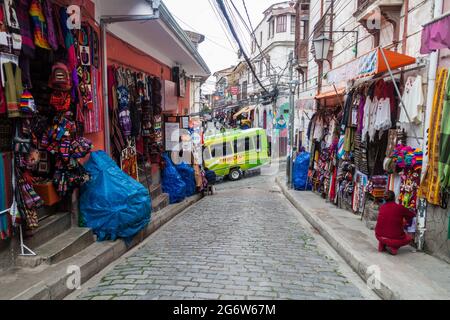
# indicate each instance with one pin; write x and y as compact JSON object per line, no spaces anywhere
{"x":13,"y":88}
{"x":436,"y":36}
{"x":444,"y":151}
{"x":430,"y":185}
{"x":39,"y":24}
{"x":413,"y":100}
{"x":5,"y":195}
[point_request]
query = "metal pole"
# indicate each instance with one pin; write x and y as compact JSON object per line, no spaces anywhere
{"x":104,"y":27}
{"x":398,"y":91}
{"x":291,"y":119}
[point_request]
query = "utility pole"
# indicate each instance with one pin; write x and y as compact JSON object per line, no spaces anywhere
{"x":274,"y":143}
{"x":291,"y":120}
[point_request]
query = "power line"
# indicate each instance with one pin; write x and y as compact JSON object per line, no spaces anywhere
{"x":252,"y":33}
{"x":220,"y":19}
{"x":233,"y":31}
{"x":237,"y":25}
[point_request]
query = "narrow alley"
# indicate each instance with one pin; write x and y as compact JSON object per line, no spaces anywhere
{"x":245,"y":242}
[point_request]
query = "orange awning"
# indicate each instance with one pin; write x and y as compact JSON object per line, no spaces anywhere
{"x":331,"y":98}
{"x":331,"y":94}
{"x":395,"y":60}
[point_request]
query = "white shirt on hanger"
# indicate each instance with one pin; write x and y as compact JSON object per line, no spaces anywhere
{"x":413,"y":99}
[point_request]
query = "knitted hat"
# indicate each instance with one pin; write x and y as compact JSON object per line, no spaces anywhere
{"x":27,"y":104}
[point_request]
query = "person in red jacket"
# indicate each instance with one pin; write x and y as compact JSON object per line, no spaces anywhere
{"x":390,"y":225}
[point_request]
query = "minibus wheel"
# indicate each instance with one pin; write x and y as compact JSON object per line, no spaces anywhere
{"x":235,"y":174}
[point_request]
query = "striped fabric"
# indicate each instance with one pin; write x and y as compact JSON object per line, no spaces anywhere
{"x":92,"y":117}
{"x":5,"y":194}
{"x":39,"y":24}
{"x":430,"y":186}
{"x":444,"y":156}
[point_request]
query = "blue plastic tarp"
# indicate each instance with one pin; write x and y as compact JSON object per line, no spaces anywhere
{"x":300,"y":174}
{"x":187,"y":173}
{"x":113,"y":204}
{"x":172,"y":183}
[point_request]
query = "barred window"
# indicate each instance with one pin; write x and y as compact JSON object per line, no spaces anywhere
{"x":281,"y":23}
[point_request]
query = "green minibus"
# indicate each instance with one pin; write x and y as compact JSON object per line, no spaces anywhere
{"x":234,"y":152}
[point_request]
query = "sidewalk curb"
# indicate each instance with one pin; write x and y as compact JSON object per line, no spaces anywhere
{"x":355,"y":261}
{"x":55,"y":287}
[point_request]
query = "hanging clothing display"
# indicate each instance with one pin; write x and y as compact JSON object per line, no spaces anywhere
{"x":44,"y":115}
{"x":435,"y":36}
{"x":430,"y":185}
{"x":444,"y":149}
{"x":40,"y":30}
{"x":413,"y":100}
{"x":13,"y":88}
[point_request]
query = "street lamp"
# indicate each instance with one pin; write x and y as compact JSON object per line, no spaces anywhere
{"x":322,"y":46}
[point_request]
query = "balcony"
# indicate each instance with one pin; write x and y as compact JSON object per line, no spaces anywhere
{"x":302,"y":31}
{"x":370,"y":14}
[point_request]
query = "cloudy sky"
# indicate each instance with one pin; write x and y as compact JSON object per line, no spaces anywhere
{"x":219,"y":49}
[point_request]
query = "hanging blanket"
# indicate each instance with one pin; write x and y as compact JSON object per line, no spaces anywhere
{"x":444,"y":155}
{"x":430,"y":186}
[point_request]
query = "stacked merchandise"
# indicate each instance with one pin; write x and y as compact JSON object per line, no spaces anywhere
{"x":136,"y":122}
{"x":48,"y":78}
{"x":408,"y":164}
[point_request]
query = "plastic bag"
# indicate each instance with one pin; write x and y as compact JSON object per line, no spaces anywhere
{"x":300,"y":174}
{"x":113,"y":204}
{"x":187,"y":173}
{"x":172,"y":183}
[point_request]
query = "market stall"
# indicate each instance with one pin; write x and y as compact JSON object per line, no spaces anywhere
{"x":368,"y":142}
{"x":49,"y":104}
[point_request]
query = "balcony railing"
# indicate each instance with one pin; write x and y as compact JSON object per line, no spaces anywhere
{"x":362,"y":4}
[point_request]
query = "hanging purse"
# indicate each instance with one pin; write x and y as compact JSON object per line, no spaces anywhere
{"x":22,"y":145}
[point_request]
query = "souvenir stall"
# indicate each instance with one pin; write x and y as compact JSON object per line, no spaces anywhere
{"x":136,"y":121}
{"x":374,"y":146}
{"x":323,"y":131}
{"x":49,"y":76}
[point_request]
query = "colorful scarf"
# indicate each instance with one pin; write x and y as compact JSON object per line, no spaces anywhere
{"x":430,"y":186}
{"x":444,"y":156}
{"x":40,"y":25}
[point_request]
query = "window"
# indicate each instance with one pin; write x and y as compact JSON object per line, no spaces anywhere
{"x":303,"y":29}
{"x":273,"y":27}
{"x":260,"y":38}
{"x":244,"y":90}
{"x":241,"y":145}
{"x":281,"y":23}
{"x":249,"y":144}
{"x":269,"y":33}
{"x":268,"y":66}
{"x":221,"y":150}
{"x":258,"y":142}
{"x":292,"y":24}
{"x":207,"y":154}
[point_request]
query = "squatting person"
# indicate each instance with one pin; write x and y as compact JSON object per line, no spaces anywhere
{"x":390,"y":225}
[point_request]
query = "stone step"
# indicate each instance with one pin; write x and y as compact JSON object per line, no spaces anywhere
{"x":160,"y":202}
{"x":48,"y":229}
{"x":155,"y":191}
{"x":59,"y":248}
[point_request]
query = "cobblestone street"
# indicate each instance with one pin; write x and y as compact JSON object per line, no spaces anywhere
{"x":246,"y":242}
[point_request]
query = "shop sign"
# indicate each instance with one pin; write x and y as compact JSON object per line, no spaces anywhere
{"x":234,"y":91}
